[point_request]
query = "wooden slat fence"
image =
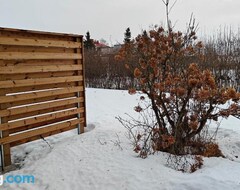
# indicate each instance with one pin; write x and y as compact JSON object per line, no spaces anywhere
{"x":42,"y":89}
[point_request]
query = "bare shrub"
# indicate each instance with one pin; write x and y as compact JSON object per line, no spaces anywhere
{"x":182,"y":96}
{"x":222,"y":57}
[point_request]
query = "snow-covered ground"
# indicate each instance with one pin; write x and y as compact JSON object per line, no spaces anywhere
{"x":103,"y":159}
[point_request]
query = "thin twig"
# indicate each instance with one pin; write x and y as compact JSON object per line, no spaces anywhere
{"x":102,"y":143}
{"x":46,"y":141}
{"x":172,"y":6}
{"x":117,"y":142}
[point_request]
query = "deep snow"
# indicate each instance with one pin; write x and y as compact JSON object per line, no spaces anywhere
{"x":103,"y":159}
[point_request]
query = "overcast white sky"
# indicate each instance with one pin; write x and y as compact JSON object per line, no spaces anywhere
{"x":108,"y":19}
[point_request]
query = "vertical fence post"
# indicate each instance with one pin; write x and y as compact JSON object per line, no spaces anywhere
{"x":6,"y":152}
{"x":78,"y":94}
{"x":78,"y":115}
{"x":2,"y":162}
{"x":81,"y":83}
{"x":5,"y":149}
{"x":1,"y":148}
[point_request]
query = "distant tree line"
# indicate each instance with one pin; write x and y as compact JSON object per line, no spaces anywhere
{"x":221,"y":55}
{"x":103,"y":70}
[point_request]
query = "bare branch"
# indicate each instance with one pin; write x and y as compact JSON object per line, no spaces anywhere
{"x":172,"y":6}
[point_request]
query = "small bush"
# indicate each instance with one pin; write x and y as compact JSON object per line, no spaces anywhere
{"x":181,"y":97}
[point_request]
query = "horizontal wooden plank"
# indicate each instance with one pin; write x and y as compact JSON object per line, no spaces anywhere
{"x":34,"y":95}
{"x":34,"y":120}
{"x":34,"y":55}
{"x":28,"y":89}
{"x":37,"y":62}
{"x":41,"y":124}
{"x":26,"y":140}
{"x":32,"y":101}
{"x":24,"y":76}
{"x":35,"y":36}
{"x":38,"y":42}
{"x":39,"y":81}
{"x":39,"y":112}
{"x":41,"y":106}
{"x":9,"y":48}
{"x":38,"y":69}
{"x":37,"y":33}
{"x":24,"y":135}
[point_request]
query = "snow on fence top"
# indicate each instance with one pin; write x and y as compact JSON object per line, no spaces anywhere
{"x":42,"y":89}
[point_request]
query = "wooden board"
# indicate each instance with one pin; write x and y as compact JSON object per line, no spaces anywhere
{"x":10,"y":48}
{"x":30,"y":33}
{"x":44,"y":135}
{"x":40,"y":131}
{"x":40,"y":112}
{"x":26,"y":128}
{"x":37,"y":62}
{"x":34,"y":55}
{"x":41,"y":106}
{"x":34,"y":95}
{"x":32,"y":101}
{"x":39,"y":81}
{"x":34,"y":120}
{"x":28,"y":89}
{"x":38,"y":69}
{"x":23,"y":76}
{"x":38,"y":42}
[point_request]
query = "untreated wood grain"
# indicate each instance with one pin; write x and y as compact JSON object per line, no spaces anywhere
{"x":39,"y":81}
{"x":40,"y":131}
{"x":26,"y":128}
{"x":34,"y":55}
{"x":41,"y":34}
{"x":34,"y":95}
{"x":38,"y":69}
{"x":28,"y":89}
{"x":37,"y":62}
{"x":10,"y":48}
{"x":41,"y":106}
{"x":40,"y":112}
{"x":38,"y":42}
{"x":32,"y":101}
{"x":23,"y":76}
{"x":42,"y":90}
{"x":44,"y":135}
{"x":34,"y":120}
